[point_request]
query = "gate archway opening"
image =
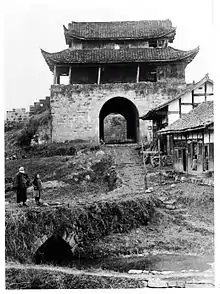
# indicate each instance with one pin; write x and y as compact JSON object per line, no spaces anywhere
{"x":119,"y":121}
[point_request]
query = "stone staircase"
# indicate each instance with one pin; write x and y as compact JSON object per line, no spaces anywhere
{"x":128,"y":165}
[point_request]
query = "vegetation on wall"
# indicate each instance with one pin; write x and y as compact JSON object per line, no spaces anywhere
{"x":26,"y":134}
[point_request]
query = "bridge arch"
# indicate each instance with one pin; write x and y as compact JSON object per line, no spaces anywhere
{"x":127,"y":109}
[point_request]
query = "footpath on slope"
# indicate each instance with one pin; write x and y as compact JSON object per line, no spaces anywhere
{"x":129,"y":167}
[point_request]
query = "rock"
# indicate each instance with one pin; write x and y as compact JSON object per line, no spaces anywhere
{"x":155,"y":272}
{"x":173,"y":185}
{"x":149,"y":190}
{"x":181,"y":284}
{"x":87,"y":177}
{"x":167,"y":272}
{"x":183,"y":179}
{"x":176,"y":178}
{"x":100,"y":153}
{"x":172,"y":284}
{"x":133,"y":271}
{"x":157,"y":283}
{"x":170,"y":206}
{"x":45,"y":204}
{"x":145,"y":283}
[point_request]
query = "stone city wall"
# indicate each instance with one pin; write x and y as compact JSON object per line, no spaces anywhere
{"x":75,"y":108}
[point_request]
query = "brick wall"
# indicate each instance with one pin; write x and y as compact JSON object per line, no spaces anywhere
{"x":75,"y":108}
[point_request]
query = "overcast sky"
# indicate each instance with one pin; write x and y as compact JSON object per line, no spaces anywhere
{"x":31,"y":25}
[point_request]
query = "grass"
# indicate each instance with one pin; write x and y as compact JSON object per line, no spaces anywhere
{"x":71,"y":170}
{"x":48,"y":279}
{"x":89,"y":221}
{"x":189,"y":231}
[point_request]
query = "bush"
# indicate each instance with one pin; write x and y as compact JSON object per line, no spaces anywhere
{"x":26,"y":134}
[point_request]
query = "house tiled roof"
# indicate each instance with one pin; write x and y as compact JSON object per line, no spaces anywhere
{"x":188,"y":89}
{"x":125,"y":55}
{"x":120,"y":30}
{"x":198,"y":118}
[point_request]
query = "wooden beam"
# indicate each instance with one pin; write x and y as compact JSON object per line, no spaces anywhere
{"x":193,"y":98}
{"x":99,"y":75}
{"x":185,"y":103}
{"x":180,"y":107}
{"x":201,"y":94}
{"x":55,"y":75}
{"x":173,"y":112}
{"x":58,"y":79}
{"x":70,"y":74}
{"x":138,"y":74}
{"x":205,"y":91}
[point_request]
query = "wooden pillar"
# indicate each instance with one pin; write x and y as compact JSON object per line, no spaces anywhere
{"x":159,"y":158}
{"x":70,"y":73}
{"x":192,"y":98}
{"x":58,"y":79}
{"x":180,"y":112}
{"x":205,"y":91}
{"x":55,"y":75}
{"x":138,"y":74}
{"x":168,"y":144}
{"x":99,"y":75}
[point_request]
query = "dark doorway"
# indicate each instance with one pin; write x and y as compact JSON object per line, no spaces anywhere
{"x":184,"y":160}
{"x":124,"y":107}
{"x":54,"y":251}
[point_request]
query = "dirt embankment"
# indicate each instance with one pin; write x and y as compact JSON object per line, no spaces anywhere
{"x":88,"y":221}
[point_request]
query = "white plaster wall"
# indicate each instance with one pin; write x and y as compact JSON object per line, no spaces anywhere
{"x":186,"y":108}
{"x":172,"y":117}
{"x":187,"y":98}
{"x":174,"y":105}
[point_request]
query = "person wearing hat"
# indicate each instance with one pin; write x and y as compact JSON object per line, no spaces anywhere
{"x":21,"y":183}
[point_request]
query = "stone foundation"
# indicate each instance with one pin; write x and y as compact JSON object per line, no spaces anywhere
{"x":75,"y":109}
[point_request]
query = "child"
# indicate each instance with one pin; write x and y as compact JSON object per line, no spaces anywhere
{"x":37,"y":188}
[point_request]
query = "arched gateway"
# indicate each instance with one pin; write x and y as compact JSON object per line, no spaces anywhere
{"x":131,"y":58}
{"x":125,"y":108}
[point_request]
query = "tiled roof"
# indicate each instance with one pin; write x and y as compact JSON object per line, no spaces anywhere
{"x":188,"y":89}
{"x":198,"y":118}
{"x":103,"y":56}
{"x":120,"y":30}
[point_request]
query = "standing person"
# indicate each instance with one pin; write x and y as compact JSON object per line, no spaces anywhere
{"x":37,"y":188}
{"x":21,"y":183}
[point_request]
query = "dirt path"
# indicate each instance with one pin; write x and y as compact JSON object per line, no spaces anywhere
{"x":153,"y":280}
{"x":129,"y":166}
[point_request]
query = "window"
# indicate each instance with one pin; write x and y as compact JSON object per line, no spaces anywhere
{"x":153,"y":43}
{"x":160,"y":43}
{"x":148,"y":73}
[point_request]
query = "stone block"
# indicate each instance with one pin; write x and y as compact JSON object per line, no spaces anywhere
{"x":172,"y":284}
{"x":181,"y":284}
{"x":133,"y":271}
{"x":157,"y":283}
